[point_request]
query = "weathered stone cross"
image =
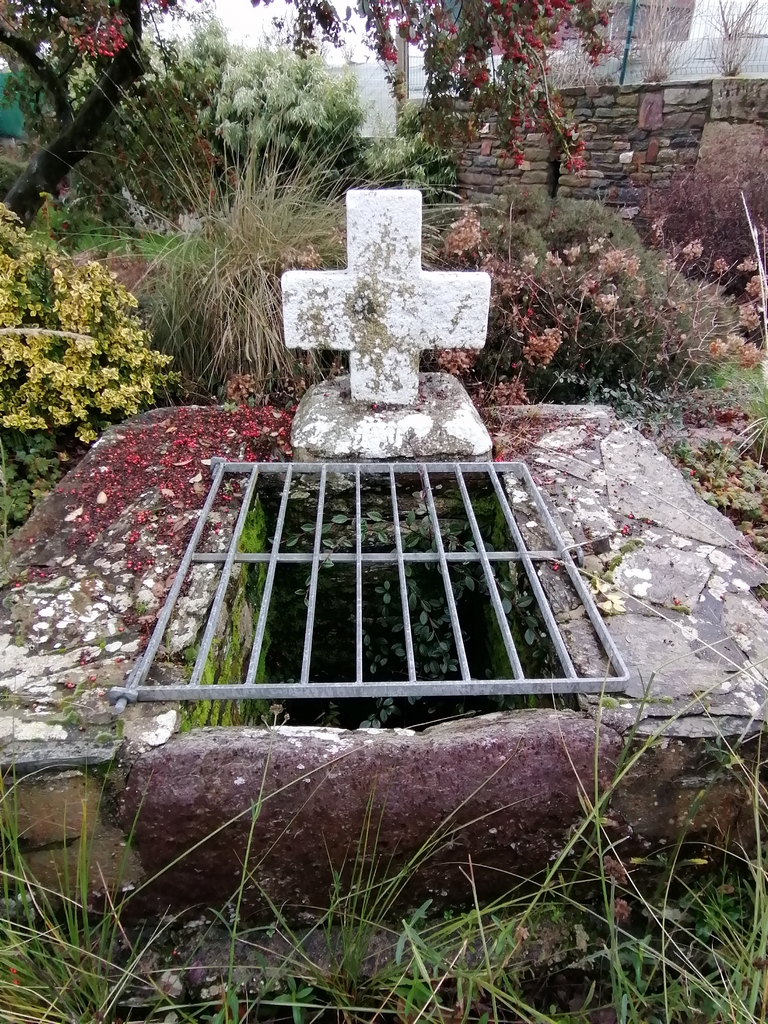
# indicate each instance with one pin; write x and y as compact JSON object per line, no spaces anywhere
{"x":384,"y":309}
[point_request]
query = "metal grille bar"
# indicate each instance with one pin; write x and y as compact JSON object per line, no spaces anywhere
{"x":338,"y":479}
{"x":401,"y":580}
{"x":297,"y":557}
{"x":514,"y":529}
{"x":358,"y":579}
{"x":261,"y":625}
{"x":452,"y":609}
{"x":493,"y":590}
{"x":221,"y":590}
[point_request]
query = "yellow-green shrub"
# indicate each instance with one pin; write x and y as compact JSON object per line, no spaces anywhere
{"x":84,"y":358}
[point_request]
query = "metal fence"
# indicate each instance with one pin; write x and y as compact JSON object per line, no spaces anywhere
{"x":692,"y":60}
{"x":375,"y":95}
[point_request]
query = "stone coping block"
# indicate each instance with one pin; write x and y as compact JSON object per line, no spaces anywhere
{"x":443,"y":424}
{"x":502,"y":793}
{"x":740,"y":99}
{"x":494,"y":789}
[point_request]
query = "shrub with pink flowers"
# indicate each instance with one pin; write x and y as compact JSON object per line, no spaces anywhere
{"x":579,"y":304}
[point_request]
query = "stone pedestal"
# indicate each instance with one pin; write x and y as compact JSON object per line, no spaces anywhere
{"x":441,"y":425}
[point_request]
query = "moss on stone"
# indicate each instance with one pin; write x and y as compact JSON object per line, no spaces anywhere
{"x":631,"y":545}
{"x":683,"y":609}
{"x":495,"y":648}
{"x":226,"y":660}
{"x":253,"y":540}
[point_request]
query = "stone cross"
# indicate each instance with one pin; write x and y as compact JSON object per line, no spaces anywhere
{"x":384,"y":309}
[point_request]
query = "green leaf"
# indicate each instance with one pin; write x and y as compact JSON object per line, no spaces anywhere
{"x":421,"y":912}
{"x":400,"y":948}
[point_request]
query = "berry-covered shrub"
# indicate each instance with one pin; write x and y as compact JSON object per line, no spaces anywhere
{"x":72,"y":352}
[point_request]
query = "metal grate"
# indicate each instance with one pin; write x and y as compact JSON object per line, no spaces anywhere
{"x":355,"y":476}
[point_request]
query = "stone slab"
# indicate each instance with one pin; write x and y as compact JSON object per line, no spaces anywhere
{"x":747,"y":623}
{"x":688,"y":796}
{"x":443,"y":424}
{"x":641,"y":481}
{"x":740,"y":99}
{"x":690,"y":679}
{"x":682,"y":610}
{"x":664,"y":576}
{"x":651,"y":111}
{"x":26,"y":757}
{"x":55,"y":808}
{"x":504,"y":789}
{"x":686,"y":95}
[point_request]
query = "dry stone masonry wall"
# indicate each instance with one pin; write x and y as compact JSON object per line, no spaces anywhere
{"x":636,"y":136}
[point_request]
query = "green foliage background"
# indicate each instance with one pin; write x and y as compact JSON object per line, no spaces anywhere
{"x":206,"y":109}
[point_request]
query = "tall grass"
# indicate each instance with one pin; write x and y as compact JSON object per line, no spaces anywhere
{"x":214,"y":299}
{"x":663,"y":936}
{"x":755,"y":436}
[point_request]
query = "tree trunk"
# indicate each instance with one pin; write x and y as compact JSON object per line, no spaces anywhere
{"x":51,"y":164}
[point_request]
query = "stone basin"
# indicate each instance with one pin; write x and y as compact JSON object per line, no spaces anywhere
{"x":676,"y":582}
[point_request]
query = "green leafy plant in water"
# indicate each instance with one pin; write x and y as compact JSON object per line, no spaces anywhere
{"x":430,"y":627}
{"x":385,"y":709}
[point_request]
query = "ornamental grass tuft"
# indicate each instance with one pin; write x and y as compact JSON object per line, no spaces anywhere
{"x":213,"y":292}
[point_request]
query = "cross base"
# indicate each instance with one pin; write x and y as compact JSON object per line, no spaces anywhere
{"x":442,"y":425}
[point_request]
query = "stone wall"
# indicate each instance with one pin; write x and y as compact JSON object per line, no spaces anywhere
{"x":636,"y":136}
